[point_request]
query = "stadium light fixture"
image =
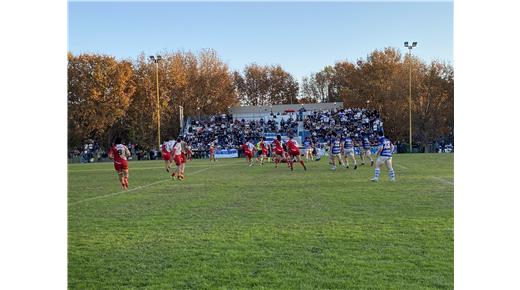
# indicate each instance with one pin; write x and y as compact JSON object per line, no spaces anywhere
{"x":156,"y":60}
{"x":414,"y":44}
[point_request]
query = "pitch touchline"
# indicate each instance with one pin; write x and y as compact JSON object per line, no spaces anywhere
{"x":400,"y":166}
{"x":144,"y":186}
{"x":133,"y":189}
{"x":442,"y":180}
{"x":116,"y":193}
{"x":143,"y":168}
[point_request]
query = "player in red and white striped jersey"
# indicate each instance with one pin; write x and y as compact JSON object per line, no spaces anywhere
{"x":279,"y":152}
{"x":178,"y":159}
{"x":248,"y":148}
{"x":166,"y":149}
{"x":120,"y":153}
{"x":294,"y":153}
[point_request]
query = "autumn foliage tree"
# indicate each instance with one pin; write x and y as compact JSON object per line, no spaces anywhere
{"x":100,"y":89}
{"x":109,"y":97}
{"x":265,"y":85}
{"x":201,"y":83}
{"x":381,"y":81}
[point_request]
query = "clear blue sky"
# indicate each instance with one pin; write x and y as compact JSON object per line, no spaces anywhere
{"x":303,"y":37}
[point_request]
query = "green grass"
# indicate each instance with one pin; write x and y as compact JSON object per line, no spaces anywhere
{"x":238,"y":227}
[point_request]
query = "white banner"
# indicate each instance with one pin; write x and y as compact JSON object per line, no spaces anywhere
{"x":226,"y":153}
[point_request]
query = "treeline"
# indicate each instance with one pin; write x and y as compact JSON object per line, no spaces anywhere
{"x":109,"y":97}
{"x":381,"y":81}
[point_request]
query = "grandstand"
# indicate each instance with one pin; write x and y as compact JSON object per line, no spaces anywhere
{"x":302,"y":120}
{"x":249,"y":113}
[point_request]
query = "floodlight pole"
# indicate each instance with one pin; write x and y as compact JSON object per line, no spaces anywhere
{"x":156,"y":60}
{"x":414,"y":44}
{"x":181,"y":117}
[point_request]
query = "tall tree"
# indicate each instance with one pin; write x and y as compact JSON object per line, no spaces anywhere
{"x":108,"y":97}
{"x":265,"y":85}
{"x":140,"y":120}
{"x":283,"y":88}
{"x":433,"y":105}
{"x":214,"y":91}
{"x":381,"y":82}
{"x":256,"y":89}
{"x":99,"y":92}
{"x":201,"y":84}
{"x":309,"y":90}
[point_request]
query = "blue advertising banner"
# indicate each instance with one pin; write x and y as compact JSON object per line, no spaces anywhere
{"x":226,"y":153}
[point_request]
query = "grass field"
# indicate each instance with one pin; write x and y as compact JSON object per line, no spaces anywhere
{"x":229,"y":226}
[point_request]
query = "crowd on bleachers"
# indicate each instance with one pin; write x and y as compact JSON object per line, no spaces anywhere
{"x":355,"y":121}
{"x":231,"y":134}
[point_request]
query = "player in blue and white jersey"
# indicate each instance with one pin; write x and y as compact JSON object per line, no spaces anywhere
{"x":334,"y":144}
{"x":384,"y":156}
{"x":347,"y":145}
{"x":317,"y":149}
{"x":307,"y":144}
{"x":366,"y":150}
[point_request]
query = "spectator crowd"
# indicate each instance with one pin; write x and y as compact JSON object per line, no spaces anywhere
{"x":229,"y":133}
{"x":357,"y":122}
{"x":92,"y":152}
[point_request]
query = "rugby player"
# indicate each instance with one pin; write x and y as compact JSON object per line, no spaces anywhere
{"x":189,"y":152}
{"x":120,"y":153}
{"x":294,"y":153}
{"x":279,"y":152}
{"x":348,"y":150}
{"x":261,"y":146}
{"x":367,"y":150}
{"x":384,"y":156}
{"x":177,"y":158}
{"x":166,"y":148}
{"x":184,"y":153}
{"x":212,"y":152}
{"x":308,"y":145}
{"x":248,"y":148}
{"x":334,"y":145}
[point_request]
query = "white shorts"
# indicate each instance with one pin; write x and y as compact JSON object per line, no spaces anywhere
{"x":383,"y":159}
{"x":367,"y":151}
{"x":335,"y":155}
{"x":348,"y":151}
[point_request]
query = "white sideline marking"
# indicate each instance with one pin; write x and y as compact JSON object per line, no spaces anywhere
{"x":400,"y":166}
{"x":133,"y":189}
{"x":144,"y":168}
{"x":442,"y":180}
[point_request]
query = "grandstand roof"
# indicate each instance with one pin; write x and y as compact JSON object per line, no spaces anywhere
{"x":283,"y":108}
